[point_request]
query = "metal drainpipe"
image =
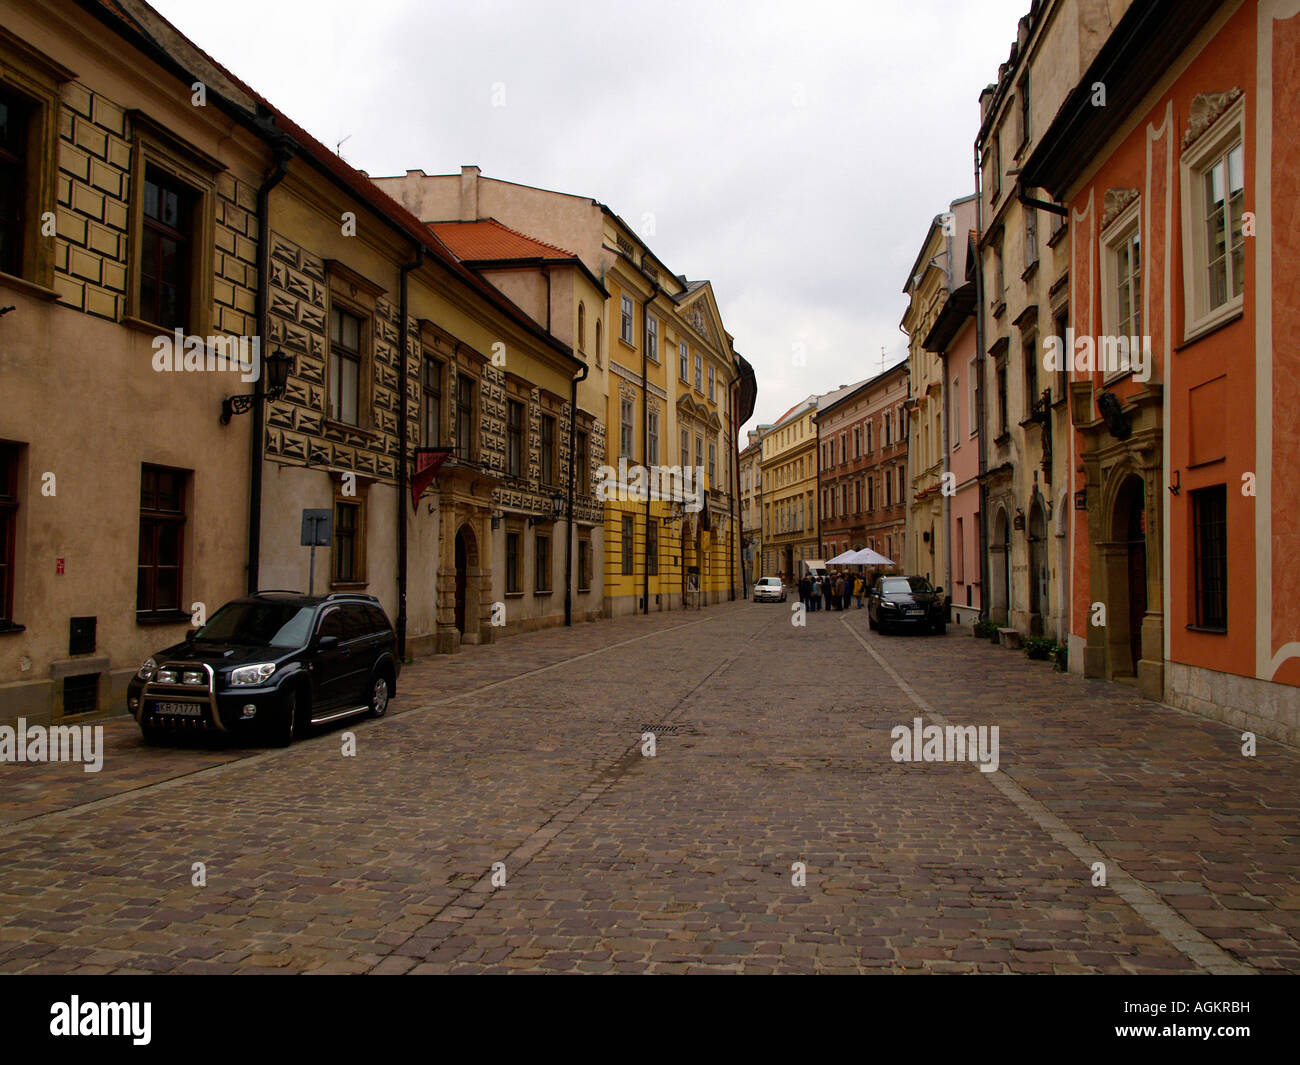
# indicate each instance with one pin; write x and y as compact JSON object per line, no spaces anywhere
{"x":568,"y":544}
{"x":282,"y":152}
{"x":734,"y":484}
{"x":947,"y":451}
{"x":645,"y":437}
{"x":980,"y":390}
{"x":403,"y":370}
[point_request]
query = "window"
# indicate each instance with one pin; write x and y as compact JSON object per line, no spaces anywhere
{"x":629,"y":544}
{"x":1210,"y":519}
{"x":869,"y":447}
{"x":549,"y":465}
{"x":902,"y":489}
{"x":997,"y":164}
{"x":598,"y":338}
{"x":1031,"y":237}
{"x":514,"y":438}
{"x":582,"y":462}
{"x":345,"y":366}
{"x":465,"y":435}
{"x":971,"y":394}
{"x":713,"y":465}
{"x":652,"y":549}
{"x":712,"y":383}
{"x":684,"y":360}
{"x":166,"y":252}
{"x":582,"y":327}
{"x":999,"y":275}
{"x":162,"y":534}
{"x":1213,"y":180}
{"x":347,"y":543}
{"x":625,"y":321}
{"x":1029,"y":351}
{"x":699,"y":372}
{"x":871,"y":493}
{"x":431,"y":402}
{"x":514,"y":561}
{"x":652,"y":337}
{"x":625,"y":428}
{"x":652,"y":439}
{"x":13,"y":180}
{"x":858,"y":491}
{"x":844,"y":448}
{"x":956,"y":412}
{"x":857,"y":441}
{"x":1002,"y":396}
{"x":699,"y":452}
{"x":542,"y":563}
{"x":9,"y":454}
{"x":584,"y":565}
{"x":888,"y":425}
{"x":1121,"y":281}
{"x":1023,"y":96}
{"x":961,"y":552}
{"x":686,"y":448}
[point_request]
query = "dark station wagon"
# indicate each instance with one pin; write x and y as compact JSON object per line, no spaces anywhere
{"x":270,"y":665}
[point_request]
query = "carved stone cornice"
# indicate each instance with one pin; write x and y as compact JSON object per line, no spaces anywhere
{"x":1205,"y":111}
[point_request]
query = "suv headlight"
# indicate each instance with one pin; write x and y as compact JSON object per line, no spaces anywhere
{"x":245,"y":676}
{"x":146,"y":671}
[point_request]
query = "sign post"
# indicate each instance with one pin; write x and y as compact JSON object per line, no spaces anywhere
{"x":317,"y":531}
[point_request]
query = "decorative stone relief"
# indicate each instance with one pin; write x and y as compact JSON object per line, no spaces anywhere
{"x":1116,"y":200}
{"x":1205,"y":111}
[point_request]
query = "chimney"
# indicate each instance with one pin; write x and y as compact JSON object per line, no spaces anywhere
{"x":469,"y":193}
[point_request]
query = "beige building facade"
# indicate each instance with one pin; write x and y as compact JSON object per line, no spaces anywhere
{"x":789,"y":482}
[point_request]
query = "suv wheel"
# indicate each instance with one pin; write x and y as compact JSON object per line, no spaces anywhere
{"x":284,"y":725}
{"x":379,"y":696}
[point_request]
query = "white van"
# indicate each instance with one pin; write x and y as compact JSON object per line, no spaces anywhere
{"x":812,"y":567}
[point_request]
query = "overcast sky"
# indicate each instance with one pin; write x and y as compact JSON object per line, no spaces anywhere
{"x":791,"y":152}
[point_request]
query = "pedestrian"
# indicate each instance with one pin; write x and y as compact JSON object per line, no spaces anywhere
{"x":848,"y":589}
{"x":827,"y":591}
{"x":837,"y":592}
{"x":858,"y":588}
{"x":805,"y":591}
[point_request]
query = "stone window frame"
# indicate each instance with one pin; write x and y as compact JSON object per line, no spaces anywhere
{"x":513,"y":577}
{"x":361,"y":501}
{"x":584,"y":566}
{"x":627,"y":320}
{"x":1121,"y":231}
{"x":1220,"y":137}
{"x":38,"y":80}
{"x":542,"y":567}
{"x":359,"y":296}
{"x":652,"y":338}
{"x":154,"y":146}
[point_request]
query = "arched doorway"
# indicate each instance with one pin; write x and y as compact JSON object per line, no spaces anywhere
{"x":1000,"y":577}
{"x":466,"y":557}
{"x":1128,"y":533}
{"x":1039,"y":571}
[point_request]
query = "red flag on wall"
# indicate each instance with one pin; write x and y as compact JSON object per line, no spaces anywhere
{"x":428,"y":461}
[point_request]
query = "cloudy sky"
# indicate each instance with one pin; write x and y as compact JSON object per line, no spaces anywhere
{"x":792,"y":152}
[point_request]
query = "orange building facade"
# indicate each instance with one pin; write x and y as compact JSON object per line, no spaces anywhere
{"x":1178,"y":160}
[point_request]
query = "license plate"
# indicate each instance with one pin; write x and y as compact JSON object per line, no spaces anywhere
{"x":178,"y":709}
{"x":915,"y":613}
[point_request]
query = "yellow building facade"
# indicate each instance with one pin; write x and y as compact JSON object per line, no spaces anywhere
{"x":789,"y":468}
{"x":663,"y":370}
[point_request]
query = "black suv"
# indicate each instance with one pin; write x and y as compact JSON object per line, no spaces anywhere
{"x":271,"y":663}
{"x":906,"y":602}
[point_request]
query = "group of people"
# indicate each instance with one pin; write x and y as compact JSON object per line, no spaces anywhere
{"x":832,"y":591}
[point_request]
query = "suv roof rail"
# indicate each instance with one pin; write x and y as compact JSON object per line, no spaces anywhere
{"x":365,"y":596}
{"x":278,"y":591}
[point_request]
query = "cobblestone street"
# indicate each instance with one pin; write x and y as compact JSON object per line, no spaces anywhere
{"x":773,"y":747}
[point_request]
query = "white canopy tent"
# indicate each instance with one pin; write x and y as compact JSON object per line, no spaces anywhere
{"x":845,"y":558}
{"x":865,"y":557}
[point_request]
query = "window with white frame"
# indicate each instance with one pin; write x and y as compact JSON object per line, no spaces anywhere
{"x":652,"y":337}
{"x":1213,"y":185}
{"x":684,"y":359}
{"x":712,"y":383}
{"x":699,"y":372}
{"x":1121,"y":279}
{"x":625,"y":320}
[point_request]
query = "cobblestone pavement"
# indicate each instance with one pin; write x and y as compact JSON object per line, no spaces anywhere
{"x":773,"y":747}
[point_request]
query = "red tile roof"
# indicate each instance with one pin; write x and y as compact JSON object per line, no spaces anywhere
{"x":488,"y":239}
